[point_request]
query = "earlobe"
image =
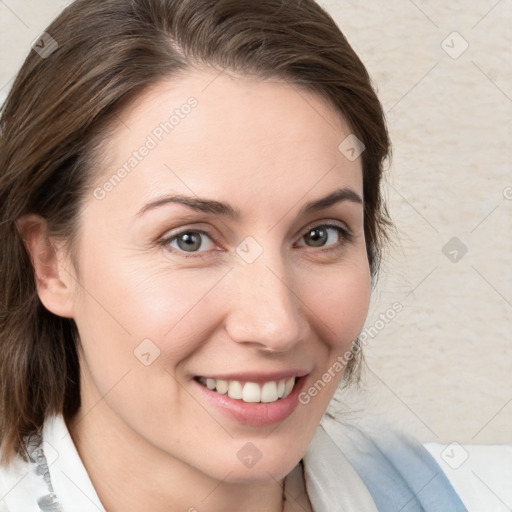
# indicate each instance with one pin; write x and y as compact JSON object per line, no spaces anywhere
{"x":53,"y":280}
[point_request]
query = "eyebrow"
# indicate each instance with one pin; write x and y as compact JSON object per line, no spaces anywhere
{"x":226,"y":210}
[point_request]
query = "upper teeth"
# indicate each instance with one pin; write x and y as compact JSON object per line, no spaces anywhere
{"x":251,"y":391}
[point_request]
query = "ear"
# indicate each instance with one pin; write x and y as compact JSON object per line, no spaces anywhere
{"x":55,"y":283}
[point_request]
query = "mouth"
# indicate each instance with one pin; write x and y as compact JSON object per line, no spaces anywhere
{"x":250,"y":392}
{"x":253,"y":399}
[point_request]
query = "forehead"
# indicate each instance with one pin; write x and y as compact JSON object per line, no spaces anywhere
{"x":238,"y":137}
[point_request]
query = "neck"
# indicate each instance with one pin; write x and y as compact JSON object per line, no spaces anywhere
{"x":130,"y":474}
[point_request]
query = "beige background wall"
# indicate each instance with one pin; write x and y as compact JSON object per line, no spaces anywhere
{"x":442,"y":367}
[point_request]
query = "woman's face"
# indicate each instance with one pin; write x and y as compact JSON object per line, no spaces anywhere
{"x":248,"y":285}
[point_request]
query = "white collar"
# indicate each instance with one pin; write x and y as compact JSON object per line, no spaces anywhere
{"x":69,"y":485}
{"x":331,"y":482}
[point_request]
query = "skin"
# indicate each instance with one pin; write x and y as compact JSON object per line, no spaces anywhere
{"x":267,"y":148}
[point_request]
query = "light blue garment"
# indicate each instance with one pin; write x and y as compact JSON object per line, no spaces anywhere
{"x":398,"y":471}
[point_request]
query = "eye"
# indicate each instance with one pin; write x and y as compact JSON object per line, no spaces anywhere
{"x":189,"y":241}
{"x":319,"y":236}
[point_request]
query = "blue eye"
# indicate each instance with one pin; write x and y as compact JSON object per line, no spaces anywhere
{"x":190,"y":241}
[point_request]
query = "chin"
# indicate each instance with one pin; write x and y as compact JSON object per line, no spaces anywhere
{"x":265,"y":465}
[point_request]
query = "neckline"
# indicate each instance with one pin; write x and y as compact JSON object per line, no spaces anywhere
{"x":317,"y":475}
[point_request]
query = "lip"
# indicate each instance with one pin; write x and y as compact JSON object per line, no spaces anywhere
{"x":254,"y":414}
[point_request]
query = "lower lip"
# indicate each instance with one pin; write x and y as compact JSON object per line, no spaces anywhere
{"x":256,"y":414}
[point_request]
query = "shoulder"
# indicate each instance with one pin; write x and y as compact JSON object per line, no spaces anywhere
{"x":53,"y":477}
{"x":481,"y":474}
{"x":397,"y":469}
{"x":23,"y":482}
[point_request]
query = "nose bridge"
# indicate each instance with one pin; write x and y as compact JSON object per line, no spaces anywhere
{"x":265,"y":309}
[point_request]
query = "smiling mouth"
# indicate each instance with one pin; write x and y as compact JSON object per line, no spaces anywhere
{"x":251,"y":392}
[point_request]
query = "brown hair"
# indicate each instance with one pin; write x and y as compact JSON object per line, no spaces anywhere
{"x":56,"y":116}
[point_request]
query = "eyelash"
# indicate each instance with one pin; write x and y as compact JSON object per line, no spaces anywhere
{"x":346,"y":237}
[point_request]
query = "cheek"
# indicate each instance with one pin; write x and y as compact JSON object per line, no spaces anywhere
{"x":339,"y":304}
{"x":340,"y":301}
{"x":126,"y":302}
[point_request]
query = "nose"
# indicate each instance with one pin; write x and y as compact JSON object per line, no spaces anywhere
{"x":266,"y":311}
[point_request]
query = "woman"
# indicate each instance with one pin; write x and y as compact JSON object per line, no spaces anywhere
{"x":192,"y":226}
